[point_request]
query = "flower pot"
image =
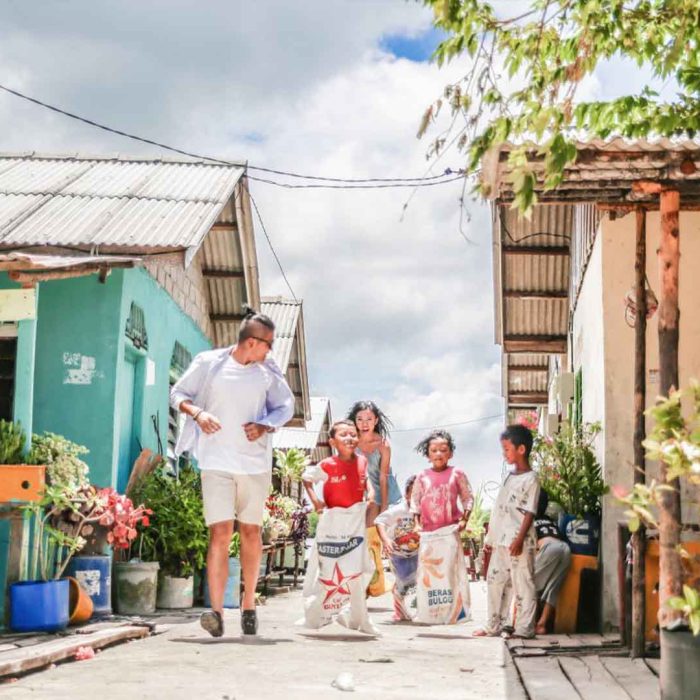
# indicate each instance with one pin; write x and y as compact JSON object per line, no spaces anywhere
{"x":680,"y":664}
{"x":582,"y":534}
{"x":79,"y":603}
{"x":175,"y":593}
{"x":93,"y":573}
{"x":232,"y":593}
{"x":39,"y":606}
{"x":136,"y":583}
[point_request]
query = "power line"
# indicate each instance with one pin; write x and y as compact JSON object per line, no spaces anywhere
{"x":448,"y":425}
{"x":269,"y":242}
{"x":362,"y":183}
{"x":290,"y":186}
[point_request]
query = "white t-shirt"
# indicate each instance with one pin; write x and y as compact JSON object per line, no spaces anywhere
{"x":237,"y":396}
{"x":400,"y":524}
{"x":518,"y":495}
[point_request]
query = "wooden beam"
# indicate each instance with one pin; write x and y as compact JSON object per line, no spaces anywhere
{"x":637,"y":646}
{"x":226,"y":317}
{"x":535,"y":296}
{"x":224,"y":226}
{"x":670,"y":565}
{"x":528,"y":397}
{"x":534,"y":250}
{"x":234,"y":274}
{"x":544,"y":344}
{"x":528,"y":368}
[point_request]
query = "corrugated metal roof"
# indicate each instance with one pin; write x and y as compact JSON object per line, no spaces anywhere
{"x":308,"y":437}
{"x":111,"y":201}
{"x":285,"y":315}
{"x":532,"y":260}
{"x":604,"y":171}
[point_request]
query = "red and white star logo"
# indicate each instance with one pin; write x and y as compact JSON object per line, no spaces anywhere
{"x":337,"y":583}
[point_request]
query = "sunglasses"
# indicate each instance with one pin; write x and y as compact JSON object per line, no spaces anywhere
{"x":263,"y":340}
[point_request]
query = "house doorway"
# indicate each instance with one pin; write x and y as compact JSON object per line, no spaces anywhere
{"x":127,"y":421}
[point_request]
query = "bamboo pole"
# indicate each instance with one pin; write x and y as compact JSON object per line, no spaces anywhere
{"x":670,"y":567}
{"x":639,"y":537}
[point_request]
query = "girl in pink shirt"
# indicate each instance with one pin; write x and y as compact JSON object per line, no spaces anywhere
{"x":438,"y":489}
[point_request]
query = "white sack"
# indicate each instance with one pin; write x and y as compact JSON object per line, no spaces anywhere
{"x":443,"y":588}
{"x":338,"y":571}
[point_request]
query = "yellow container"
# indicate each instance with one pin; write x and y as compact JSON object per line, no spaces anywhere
{"x":691,"y":568}
{"x":567,"y":604}
{"x":21,"y":482}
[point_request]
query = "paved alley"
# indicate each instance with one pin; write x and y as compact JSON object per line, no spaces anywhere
{"x":288,"y":661}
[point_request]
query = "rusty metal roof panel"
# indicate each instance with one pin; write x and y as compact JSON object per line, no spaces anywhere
{"x":528,"y":359}
{"x":550,"y":226}
{"x":536,"y":273}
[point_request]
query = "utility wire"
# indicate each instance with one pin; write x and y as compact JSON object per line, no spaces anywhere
{"x":445,"y":177}
{"x":448,"y":425}
{"x":269,"y":242}
{"x":289,"y":186}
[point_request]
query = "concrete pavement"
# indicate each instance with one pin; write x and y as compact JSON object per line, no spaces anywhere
{"x":287,"y":661}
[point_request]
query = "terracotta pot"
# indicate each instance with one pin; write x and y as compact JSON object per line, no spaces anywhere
{"x":80,"y":605}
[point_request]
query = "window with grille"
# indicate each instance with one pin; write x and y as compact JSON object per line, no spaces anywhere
{"x":136,"y":327}
{"x":179,"y":362}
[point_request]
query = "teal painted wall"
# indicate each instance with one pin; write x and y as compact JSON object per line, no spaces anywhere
{"x":76,"y":360}
{"x":165,"y":324}
{"x":81,"y":356}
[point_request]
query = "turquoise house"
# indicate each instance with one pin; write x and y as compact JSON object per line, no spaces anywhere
{"x":114,"y":272}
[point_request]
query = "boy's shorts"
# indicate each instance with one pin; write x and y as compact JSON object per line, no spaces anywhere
{"x":239,"y":497}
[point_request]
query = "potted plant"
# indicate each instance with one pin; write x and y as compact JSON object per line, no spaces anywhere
{"x":135,"y":580}
{"x":675,"y":441}
{"x":21,"y":480}
{"x":177,"y":537}
{"x":59,"y":521}
{"x":570,"y":473}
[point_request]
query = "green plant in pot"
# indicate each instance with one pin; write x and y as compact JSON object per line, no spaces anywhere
{"x":289,"y":466}
{"x":60,"y":521}
{"x":675,"y":441}
{"x":178,"y":536}
{"x":570,"y":473}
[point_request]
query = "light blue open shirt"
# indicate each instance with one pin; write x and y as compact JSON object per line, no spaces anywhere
{"x":195,"y":385}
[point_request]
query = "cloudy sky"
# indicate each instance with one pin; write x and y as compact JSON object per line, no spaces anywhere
{"x":396,"y":310}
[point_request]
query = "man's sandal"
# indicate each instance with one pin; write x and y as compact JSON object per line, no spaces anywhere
{"x":212,"y":622}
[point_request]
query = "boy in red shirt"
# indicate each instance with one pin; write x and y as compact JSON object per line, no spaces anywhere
{"x":344,"y":475}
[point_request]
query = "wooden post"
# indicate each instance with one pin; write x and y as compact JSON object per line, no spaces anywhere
{"x":640,"y":326}
{"x":670,"y":567}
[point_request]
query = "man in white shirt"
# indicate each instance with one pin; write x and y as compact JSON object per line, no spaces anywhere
{"x":233,"y":398}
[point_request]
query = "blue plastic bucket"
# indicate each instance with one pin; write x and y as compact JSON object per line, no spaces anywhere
{"x":232,"y":594}
{"x":93,"y":573}
{"x":39,"y":606}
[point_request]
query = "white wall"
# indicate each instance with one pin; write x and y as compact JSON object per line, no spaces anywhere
{"x":607,"y":357}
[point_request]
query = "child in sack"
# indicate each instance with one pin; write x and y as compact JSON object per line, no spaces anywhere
{"x":511,"y":541}
{"x":443,"y":589}
{"x":339,"y":566}
{"x":397,"y":530}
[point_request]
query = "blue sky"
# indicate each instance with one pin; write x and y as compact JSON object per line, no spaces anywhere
{"x":417,"y":47}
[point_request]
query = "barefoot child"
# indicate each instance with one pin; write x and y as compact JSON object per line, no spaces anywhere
{"x":397,"y":530}
{"x":512,"y":542}
{"x":339,"y":567}
{"x":443,"y":589}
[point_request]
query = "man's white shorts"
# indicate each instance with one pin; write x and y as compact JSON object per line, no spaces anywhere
{"x":239,"y":497}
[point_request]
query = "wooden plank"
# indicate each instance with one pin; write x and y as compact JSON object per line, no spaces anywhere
{"x":535,"y":296}
{"x":590,"y":640}
{"x":534,"y":250}
{"x":654,"y":665}
{"x":634,"y":676}
{"x":591,"y":679}
{"x":29,"y":658}
{"x":543,"y":678}
{"x":538,"y":344}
